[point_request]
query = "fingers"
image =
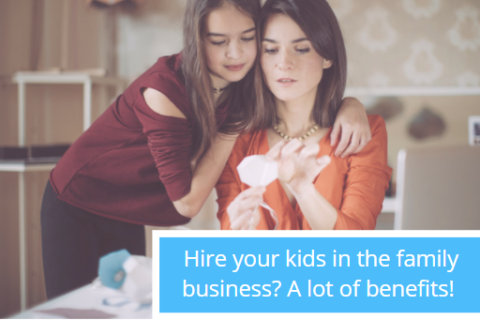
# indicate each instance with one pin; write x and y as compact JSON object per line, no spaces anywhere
{"x":274,"y":153}
{"x":357,"y":143}
{"x":255,"y":219}
{"x":284,"y":149}
{"x":366,"y":137}
{"x":248,"y":220}
{"x":241,"y":222}
{"x":247,"y":200}
{"x":352,"y":141}
{"x":251,"y":192}
{"x":241,"y":210}
{"x":249,"y":204}
{"x":354,"y":144}
{"x":323,"y":162}
{"x":308,"y":160}
{"x":288,"y":156}
{"x":334,"y":134}
{"x":344,"y":140}
{"x":361,"y":145}
{"x":309,"y":151}
{"x":291,"y":148}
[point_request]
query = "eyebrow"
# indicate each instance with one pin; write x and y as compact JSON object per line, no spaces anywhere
{"x":294,"y":41}
{"x":213,"y":34}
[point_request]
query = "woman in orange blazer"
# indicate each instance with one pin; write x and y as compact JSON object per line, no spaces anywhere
{"x":303,"y":60}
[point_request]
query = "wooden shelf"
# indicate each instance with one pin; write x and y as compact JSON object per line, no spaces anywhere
{"x":22,"y":79}
{"x":83,"y":78}
{"x":17,"y":166}
{"x":65,"y":78}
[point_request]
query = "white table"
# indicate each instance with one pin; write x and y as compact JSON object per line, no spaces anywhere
{"x":89,"y":297}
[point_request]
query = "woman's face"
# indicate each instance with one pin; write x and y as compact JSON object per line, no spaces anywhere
{"x":292,"y":68}
{"x":229,"y":44}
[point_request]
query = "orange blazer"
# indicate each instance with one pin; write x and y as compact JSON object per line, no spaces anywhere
{"x":354,"y":185}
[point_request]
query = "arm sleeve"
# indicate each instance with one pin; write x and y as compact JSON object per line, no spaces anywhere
{"x":228,"y":188}
{"x":366,"y":182}
{"x":169,"y":138}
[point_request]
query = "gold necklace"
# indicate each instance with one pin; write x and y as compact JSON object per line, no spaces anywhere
{"x":305,"y":136}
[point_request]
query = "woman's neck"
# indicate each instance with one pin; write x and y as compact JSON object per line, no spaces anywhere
{"x":295,"y":116}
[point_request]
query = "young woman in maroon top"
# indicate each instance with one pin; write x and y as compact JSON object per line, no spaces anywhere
{"x":155,"y":155}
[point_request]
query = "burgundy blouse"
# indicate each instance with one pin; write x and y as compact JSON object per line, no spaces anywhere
{"x":133,"y":162}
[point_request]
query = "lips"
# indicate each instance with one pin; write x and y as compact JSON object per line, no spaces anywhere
{"x":286,"y":82}
{"x":236,"y":67}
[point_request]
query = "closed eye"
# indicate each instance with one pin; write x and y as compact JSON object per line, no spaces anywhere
{"x":218,"y":43}
{"x":271,"y":51}
{"x":303,"y":50}
{"x":248,"y":39}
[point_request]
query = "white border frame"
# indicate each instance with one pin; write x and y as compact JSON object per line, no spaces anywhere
{"x":156,"y":234}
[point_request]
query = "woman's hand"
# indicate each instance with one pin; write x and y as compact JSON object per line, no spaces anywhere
{"x":298,"y":165}
{"x":243,"y":211}
{"x":352,"y":126}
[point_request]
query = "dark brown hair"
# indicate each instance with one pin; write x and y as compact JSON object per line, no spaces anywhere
{"x":197,"y":79}
{"x":318,"y":22}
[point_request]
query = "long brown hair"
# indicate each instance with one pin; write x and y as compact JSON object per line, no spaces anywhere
{"x":197,"y":79}
{"x":318,"y":22}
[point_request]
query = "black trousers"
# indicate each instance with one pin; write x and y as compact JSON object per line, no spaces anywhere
{"x":73,"y":240}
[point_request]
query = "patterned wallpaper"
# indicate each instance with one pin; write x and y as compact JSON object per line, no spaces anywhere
{"x":389,"y":42}
{"x":411,"y":42}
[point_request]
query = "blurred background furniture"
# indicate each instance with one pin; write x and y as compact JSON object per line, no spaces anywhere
{"x":22,"y":79}
{"x":438,"y":189}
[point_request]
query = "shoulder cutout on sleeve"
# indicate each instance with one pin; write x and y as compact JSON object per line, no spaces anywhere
{"x":160,"y":104}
